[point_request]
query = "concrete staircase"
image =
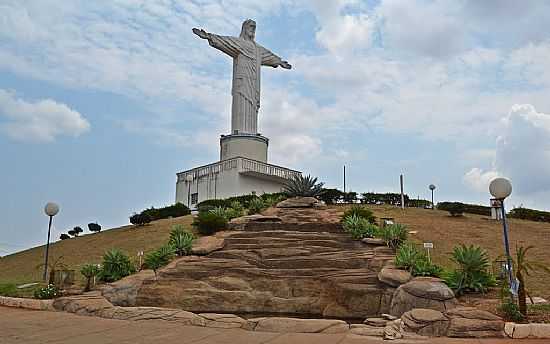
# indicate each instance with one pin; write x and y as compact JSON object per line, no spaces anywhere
{"x":299,"y":268}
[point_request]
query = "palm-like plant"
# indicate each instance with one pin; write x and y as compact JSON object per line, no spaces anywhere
{"x":472,"y":273}
{"x":90,"y":271}
{"x":181,"y":240}
{"x":159,"y":258}
{"x":524,"y":267}
{"x":300,"y":186}
{"x":116,"y":265}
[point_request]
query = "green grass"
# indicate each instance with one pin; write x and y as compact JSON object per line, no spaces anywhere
{"x":21,"y":267}
{"x":10,"y":289}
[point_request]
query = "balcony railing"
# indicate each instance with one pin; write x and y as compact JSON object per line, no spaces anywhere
{"x":240,"y":163}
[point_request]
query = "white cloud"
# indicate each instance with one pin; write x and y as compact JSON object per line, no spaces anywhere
{"x":522,"y":154}
{"x":40,"y":121}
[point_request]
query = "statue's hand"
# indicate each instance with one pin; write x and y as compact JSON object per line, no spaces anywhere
{"x":201,"y":33}
{"x":285,"y":65}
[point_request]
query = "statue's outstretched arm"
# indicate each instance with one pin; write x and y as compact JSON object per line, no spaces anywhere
{"x":229,"y":45}
{"x":270,"y":59}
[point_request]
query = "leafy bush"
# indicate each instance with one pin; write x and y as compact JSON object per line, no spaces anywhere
{"x":272,"y":199}
{"x":94,"y":227}
{"x":213,"y":203}
{"x":394,"y":235}
{"x":75,"y":231}
{"x":360,"y":211}
{"x":530,"y":214}
{"x":457,"y":208}
{"x":236,"y":209}
{"x":159,"y":258}
{"x":48,"y":292}
{"x":140,"y":219}
{"x":181,"y":240}
{"x":359,"y":227}
{"x":510,"y":310}
{"x":116,"y":265}
{"x":410,"y":258}
{"x":64,"y":236}
{"x":208,"y":223}
{"x":256,"y":206}
{"x":220,"y":211}
{"x":472,"y":274}
{"x":176,"y":210}
{"x":330,"y":196}
{"x":90,"y":271}
{"x":300,"y":186}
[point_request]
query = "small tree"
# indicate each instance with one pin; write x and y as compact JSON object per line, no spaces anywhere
{"x":76,"y":231}
{"x":524,"y":267}
{"x":94,"y":227}
{"x":331,"y":196}
{"x":89,"y":271}
{"x":64,"y":236}
{"x":140,"y":219}
{"x":159,"y":258}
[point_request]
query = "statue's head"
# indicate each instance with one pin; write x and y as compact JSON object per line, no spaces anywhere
{"x":248,"y":30}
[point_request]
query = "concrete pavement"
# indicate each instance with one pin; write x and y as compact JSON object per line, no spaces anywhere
{"x":18,"y":326}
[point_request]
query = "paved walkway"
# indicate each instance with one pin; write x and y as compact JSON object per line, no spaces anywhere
{"x":33,"y":327}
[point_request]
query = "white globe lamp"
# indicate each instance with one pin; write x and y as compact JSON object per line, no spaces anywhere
{"x":51,"y":209}
{"x":500,"y":188}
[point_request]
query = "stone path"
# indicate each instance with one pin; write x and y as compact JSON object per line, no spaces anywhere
{"x":19,"y":326}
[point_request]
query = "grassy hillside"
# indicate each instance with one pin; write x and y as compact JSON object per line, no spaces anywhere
{"x":432,"y":225}
{"x":21,"y":267}
{"x":446,"y":232}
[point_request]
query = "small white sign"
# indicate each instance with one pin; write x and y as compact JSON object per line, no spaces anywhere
{"x":428,"y":245}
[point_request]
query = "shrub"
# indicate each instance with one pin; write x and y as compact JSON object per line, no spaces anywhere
{"x":176,"y":210}
{"x":272,"y":200}
{"x":530,"y":214}
{"x":458,"y":208}
{"x":330,"y":196}
{"x":75,"y":231}
{"x":94,"y":227}
{"x":212,"y":203}
{"x":208,"y":223}
{"x":159,"y":258}
{"x":116,"y":265}
{"x":359,"y":227}
{"x":394,"y":235}
{"x":300,"y":186}
{"x":472,"y":274}
{"x":256,"y":206}
{"x":64,"y":236}
{"x":409,"y":257}
{"x":236,"y":209}
{"x":90,"y":271}
{"x":360,"y":211}
{"x":140,"y":219}
{"x":181,"y":240}
{"x":48,"y":292}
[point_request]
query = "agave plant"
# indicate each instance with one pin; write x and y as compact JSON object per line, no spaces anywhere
{"x":220,"y":211}
{"x":181,"y":240}
{"x":472,"y":273}
{"x":394,"y":235}
{"x":90,"y":271}
{"x":359,"y":227}
{"x":116,"y":265}
{"x":300,"y":186}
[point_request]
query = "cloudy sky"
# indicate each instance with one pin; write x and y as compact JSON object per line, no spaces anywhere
{"x":102,"y":102}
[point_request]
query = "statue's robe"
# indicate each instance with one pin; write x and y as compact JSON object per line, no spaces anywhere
{"x":248,"y":57}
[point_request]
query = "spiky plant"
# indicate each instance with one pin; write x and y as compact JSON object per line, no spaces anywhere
{"x":116,"y":265}
{"x":300,"y":186}
{"x":159,"y":258}
{"x":181,"y":240}
{"x":524,"y":267}
{"x":90,"y":271}
{"x":472,"y":274}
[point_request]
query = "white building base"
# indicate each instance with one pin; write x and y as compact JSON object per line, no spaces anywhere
{"x":227,"y":178}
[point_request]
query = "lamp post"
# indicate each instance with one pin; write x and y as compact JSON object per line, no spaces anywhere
{"x":51,"y":209}
{"x":432,"y":187}
{"x":500,"y":188}
{"x":189,"y":180}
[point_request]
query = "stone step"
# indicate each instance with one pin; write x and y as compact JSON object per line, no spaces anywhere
{"x":295,"y":227}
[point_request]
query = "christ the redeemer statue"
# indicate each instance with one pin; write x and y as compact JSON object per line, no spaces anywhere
{"x":248,"y":57}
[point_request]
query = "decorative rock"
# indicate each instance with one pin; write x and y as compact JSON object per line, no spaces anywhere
{"x":255,"y":218}
{"x":468,"y":322}
{"x":376,"y":322}
{"x":422,"y":292}
{"x":153,"y":313}
{"x":40,"y":305}
{"x":292,"y":325}
{"x":206,"y":245}
{"x":340,"y":328}
{"x":373,"y":241}
{"x":366,"y":330}
{"x":301,"y":202}
{"x":86,"y":304}
{"x":388,"y":317}
{"x":517,"y":331}
{"x":393,"y":330}
{"x":539,"y":330}
{"x":394,"y":277}
{"x":222,"y":320}
{"x":536,"y":301}
{"x":426,"y":322}
{"x":124,"y":292}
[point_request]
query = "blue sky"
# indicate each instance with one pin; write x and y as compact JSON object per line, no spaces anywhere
{"x":101,"y":103}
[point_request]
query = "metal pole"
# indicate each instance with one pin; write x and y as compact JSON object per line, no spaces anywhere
{"x":402,"y":196}
{"x":433,"y":207}
{"x":47,"y":250}
{"x":507,"y":244}
{"x":344,"y":180}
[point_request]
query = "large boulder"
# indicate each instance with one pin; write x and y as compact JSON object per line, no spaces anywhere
{"x":206,"y":245}
{"x":394,"y":277}
{"x":422,"y":292}
{"x":124,"y":292}
{"x":426,"y":322}
{"x":294,"y":325}
{"x":470,"y":322}
{"x":301,"y":202}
